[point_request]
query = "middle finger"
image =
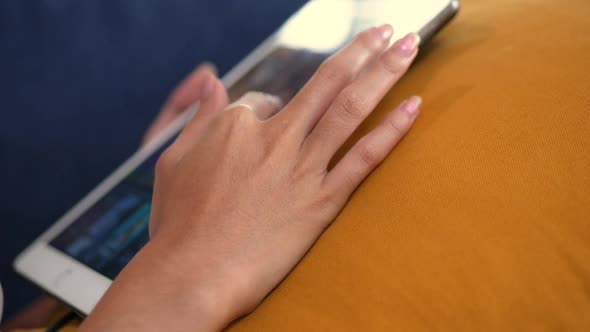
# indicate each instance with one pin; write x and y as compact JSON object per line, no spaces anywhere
{"x":359,"y":99}
{"x":332,"y":76}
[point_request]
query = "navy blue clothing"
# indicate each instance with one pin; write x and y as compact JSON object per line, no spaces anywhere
{"x":80,"y":81}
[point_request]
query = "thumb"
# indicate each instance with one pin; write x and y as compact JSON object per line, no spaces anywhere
{"x":187,"y":93}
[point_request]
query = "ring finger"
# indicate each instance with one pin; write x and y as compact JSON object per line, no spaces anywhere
{"x":359,"y":99}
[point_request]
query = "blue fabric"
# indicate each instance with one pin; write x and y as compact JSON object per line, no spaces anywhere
{"x":79,"y":83}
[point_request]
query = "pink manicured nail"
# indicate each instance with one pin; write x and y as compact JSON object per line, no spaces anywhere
{"x":411,"y":105}
{"x":207,"y":88}
{"x":407,"y":46}
{"x":385,"y":32}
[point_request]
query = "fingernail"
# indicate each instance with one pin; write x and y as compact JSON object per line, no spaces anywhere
{"x":407,"y":46}
{"x":208,"y":66}
{"x":385,"y":32}
{"x":207,"y":88}
{"x":411,"y":105}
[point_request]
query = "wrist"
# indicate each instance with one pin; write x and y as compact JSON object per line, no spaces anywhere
{"x":157,"y":293}
{"x":194,"y":286}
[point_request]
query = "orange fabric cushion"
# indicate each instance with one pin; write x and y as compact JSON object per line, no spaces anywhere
{"x":480,"y":219}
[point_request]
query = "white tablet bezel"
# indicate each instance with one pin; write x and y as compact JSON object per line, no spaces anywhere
{"x":75,"y":283}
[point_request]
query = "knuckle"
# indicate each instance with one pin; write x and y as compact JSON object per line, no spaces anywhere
{"x":267,"y":101}
{"x":393,"y":64}
{"x":253,"y":94}
{"x":254,"y":97}
{"x":349,"y":180}
{"x":367,"y":41}
{"x":239,"y":114}
{"x":369,"y":155}
{"x":327,"y":200}
{"x":352,"y":105}
{"x":397,"y":128}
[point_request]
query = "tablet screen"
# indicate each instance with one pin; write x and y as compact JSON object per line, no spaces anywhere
{"x":107,"y":235}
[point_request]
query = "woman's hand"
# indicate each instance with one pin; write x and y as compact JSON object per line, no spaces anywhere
{"x":243,"y":194}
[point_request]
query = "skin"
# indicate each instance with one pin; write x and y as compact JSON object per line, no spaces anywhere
{"x":244,"y":191}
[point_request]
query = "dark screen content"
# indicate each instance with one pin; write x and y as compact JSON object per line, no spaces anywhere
{"x":107,"y":235}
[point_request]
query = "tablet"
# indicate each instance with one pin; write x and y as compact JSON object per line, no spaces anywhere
{"x":79,"y":256}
